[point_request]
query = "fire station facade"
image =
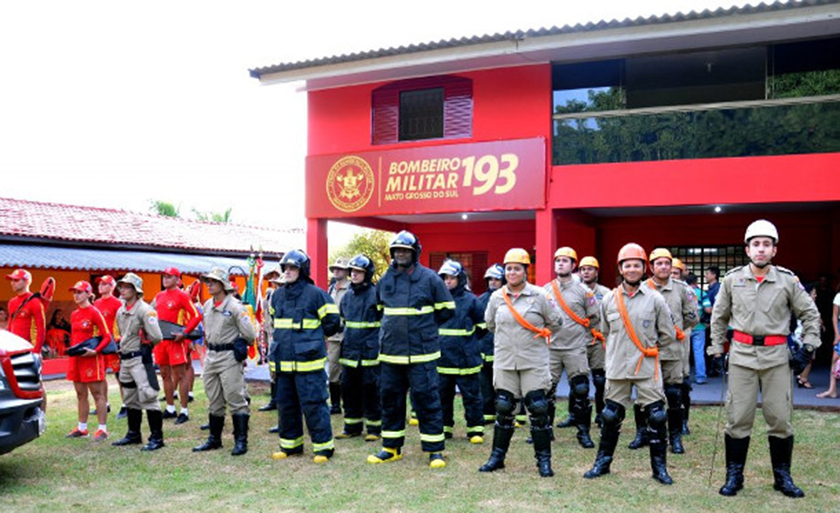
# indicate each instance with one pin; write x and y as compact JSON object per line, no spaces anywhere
{"x":672,"y":131}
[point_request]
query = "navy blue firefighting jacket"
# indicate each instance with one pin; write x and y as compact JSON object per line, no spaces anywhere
{"x":460,"y":350}
{"x":486,"y":340}
{"x":361,"y":313}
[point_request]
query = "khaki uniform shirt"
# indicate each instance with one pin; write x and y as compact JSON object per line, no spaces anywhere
{"x":762,"y":309}
{"x":572,"y":335}
{"x":682,"y":303}
{"x":515,"y":347}
{"x":651,"y":320}
{"x":225,"y":323}
{"x":337,"y":293}
{"x":130,"y":322}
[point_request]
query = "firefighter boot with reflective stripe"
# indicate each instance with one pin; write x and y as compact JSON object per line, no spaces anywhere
{"x":781,"y":453}
{"x":132,"y":437}
{"x":736,"y":459}
{"x":214,"y":439}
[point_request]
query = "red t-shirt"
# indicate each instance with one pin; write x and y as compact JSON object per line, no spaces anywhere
{"x":174,"y":305}
{"x":86,"y":323}
{"x":29,"y":322}
{"x":109,"y":306}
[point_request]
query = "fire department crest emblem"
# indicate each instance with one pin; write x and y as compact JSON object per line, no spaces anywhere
{"x":350,"y":183}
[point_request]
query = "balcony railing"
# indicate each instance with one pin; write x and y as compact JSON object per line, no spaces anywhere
{"x":736,"y":129}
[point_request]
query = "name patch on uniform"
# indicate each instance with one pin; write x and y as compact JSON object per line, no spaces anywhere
{"x":740,"y":282}
{"x":646,"y":323}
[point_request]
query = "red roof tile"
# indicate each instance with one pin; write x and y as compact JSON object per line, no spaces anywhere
{"x":74,"y":223}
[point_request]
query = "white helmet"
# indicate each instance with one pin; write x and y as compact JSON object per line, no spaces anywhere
{"x":761,"y":228}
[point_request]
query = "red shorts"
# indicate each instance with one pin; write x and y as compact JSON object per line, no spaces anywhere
{"x":112,"y":361}
{"x":86,"y":369}
{"x":169,"y":352}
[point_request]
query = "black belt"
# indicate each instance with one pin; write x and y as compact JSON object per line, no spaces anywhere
{"x":220,"y":347}
{"x":132,"y":354}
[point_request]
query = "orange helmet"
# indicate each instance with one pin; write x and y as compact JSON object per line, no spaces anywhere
{"x":517,"y":256}
{"x":631,"y":251}
{"x":566,"y":251}
{"x":660,"y":253}
{"x":589,"y":261}
{"x":676,"y":262}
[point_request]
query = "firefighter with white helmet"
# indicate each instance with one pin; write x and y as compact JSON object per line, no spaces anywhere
{"x":757,"y":300}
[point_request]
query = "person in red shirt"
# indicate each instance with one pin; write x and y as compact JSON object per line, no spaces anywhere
{"x":27,"y":315}
{"x":87,"y":371}
{"x":108,"y":305}
{"x":173,"y":355}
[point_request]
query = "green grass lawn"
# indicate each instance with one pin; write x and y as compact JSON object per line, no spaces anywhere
{"x":57,"y":474}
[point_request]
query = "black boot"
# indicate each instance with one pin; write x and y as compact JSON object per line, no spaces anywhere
{"x":155,"y":418}
{"x":272,"y":405}
{"x":675,"y":423}
{"x":583,"y":415}
{"x":214,"y":440}
{"x":502,"y":433}
{"x":132,"y":437}
{"x":686,"y":404}
{"x":599,"y":379}
{"x":570,"y":420}
{"x":736,"y":458}
{"x":335,"y":398}
{"x":240,"y":434}
{"x":542,"y":446}
{"x":606,"y":449}
{"x":658,"y":451}
{"x":641,"y":439}
{"x":781,"y":452}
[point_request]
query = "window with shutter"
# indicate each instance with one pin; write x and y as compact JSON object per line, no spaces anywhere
{"x":475,"y":263}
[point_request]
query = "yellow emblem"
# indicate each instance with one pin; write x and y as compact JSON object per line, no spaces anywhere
{"x":350,"y":183}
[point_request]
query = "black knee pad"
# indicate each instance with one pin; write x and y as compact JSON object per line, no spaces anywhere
{"x":580,"y":386}
{"x":613,"y":413}
{"x":599,"y":377}
{"x":536,"y":403}
{"x":656,"y":414}
{"x":673,"y":392}
{"x":505,"y":402}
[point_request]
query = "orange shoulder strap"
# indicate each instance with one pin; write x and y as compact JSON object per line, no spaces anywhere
{"x":628,"y":327}
{"x":680,"y":333}
{"x":596,"y":335}
{"x":540,"y":332}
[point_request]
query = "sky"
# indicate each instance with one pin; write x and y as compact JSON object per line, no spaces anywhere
{"x":116,"y":104}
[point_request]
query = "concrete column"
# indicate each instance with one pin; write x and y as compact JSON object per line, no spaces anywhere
{"x":318,"y":250}
{"x":546,"y":244}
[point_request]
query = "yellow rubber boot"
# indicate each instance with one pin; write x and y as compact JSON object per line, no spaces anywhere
{"x":386,"y":455}
{"x":436,"y":460}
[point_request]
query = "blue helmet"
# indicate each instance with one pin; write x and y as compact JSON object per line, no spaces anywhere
{"x":454,"y":268}
{"x":496,"y":272}
{"x":364,"y":264}
{"x":297,"y":258}
{"x":406,"y":240}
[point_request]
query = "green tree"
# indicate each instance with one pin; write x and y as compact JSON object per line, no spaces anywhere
{"x":163,"y":208}
{"x":214,"y":217}
{"x":373,"y":243}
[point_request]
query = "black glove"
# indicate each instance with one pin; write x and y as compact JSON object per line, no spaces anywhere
{"x":801,"y":358}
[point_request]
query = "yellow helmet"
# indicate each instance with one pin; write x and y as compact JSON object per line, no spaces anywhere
{"x":566,"y":251}
{"x":517,"y":256}
{"x":676,"y":262}
{"x":590,"y":262}
{"x":660,"y":253}
{"x":631,"y":251}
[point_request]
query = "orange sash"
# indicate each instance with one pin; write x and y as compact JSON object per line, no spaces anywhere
{"x":540,"y":332}
{"x":680,"y":333}
{"x":596,"y":335}
{"x":650,"y":352}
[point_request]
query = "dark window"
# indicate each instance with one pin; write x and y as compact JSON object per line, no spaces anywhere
{"x":698,"y":259}
{"x":421,"y":109}
{"x":475,"y":264}
{"x":807,"y":68}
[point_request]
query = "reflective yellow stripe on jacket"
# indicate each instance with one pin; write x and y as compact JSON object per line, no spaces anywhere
{"x":423,"y":310}
{"x":328,"y":308}
{"x":406,"y":360}
{"x":361,"y":324}
{"x":289,"y":324}
{"x":457,"y":371}
{"x":312,"y":365}
{"x":353,"y":363}
{"x":446,"y":332}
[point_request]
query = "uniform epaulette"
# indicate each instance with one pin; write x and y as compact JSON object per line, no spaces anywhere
{"x":680,"y":282}
{"x":786,"y":271}
{"x":733,"y":270}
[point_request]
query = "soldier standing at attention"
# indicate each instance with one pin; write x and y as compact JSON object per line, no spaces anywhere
{"x":228,"y":331}
{"x":138,"y":326}
{"x":757,"y":300}
{"x":595,"y":349}
{"x":636,"y":322}
{"x":337,"y":290}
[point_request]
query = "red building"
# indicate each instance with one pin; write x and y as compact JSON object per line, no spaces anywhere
{"x":672,"y":131}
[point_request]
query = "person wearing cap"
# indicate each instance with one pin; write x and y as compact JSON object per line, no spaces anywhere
{"x":87,"y":370}
{"x":27,"y":314}
{"x":415,"y":302}
{"x":494,"y":277}
{"x":338,"y":288}
{"x":460,"y":354}
{"x":595,"y":349}
{"x":139,"y":331}
{"x":579,"y":314}
{"x":172,"y":355}
{"x":757,"y":300}
{"x":361,"y":316}
{"x":228,"y":331}
{"x":677,"y":269}
{"x":522,"y":317}
{"x":272,"y":277}
{"x":683,"y":306}
{"x":304,"y":316}
{"x":636,"y":322}
{"x":108,"y":305}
